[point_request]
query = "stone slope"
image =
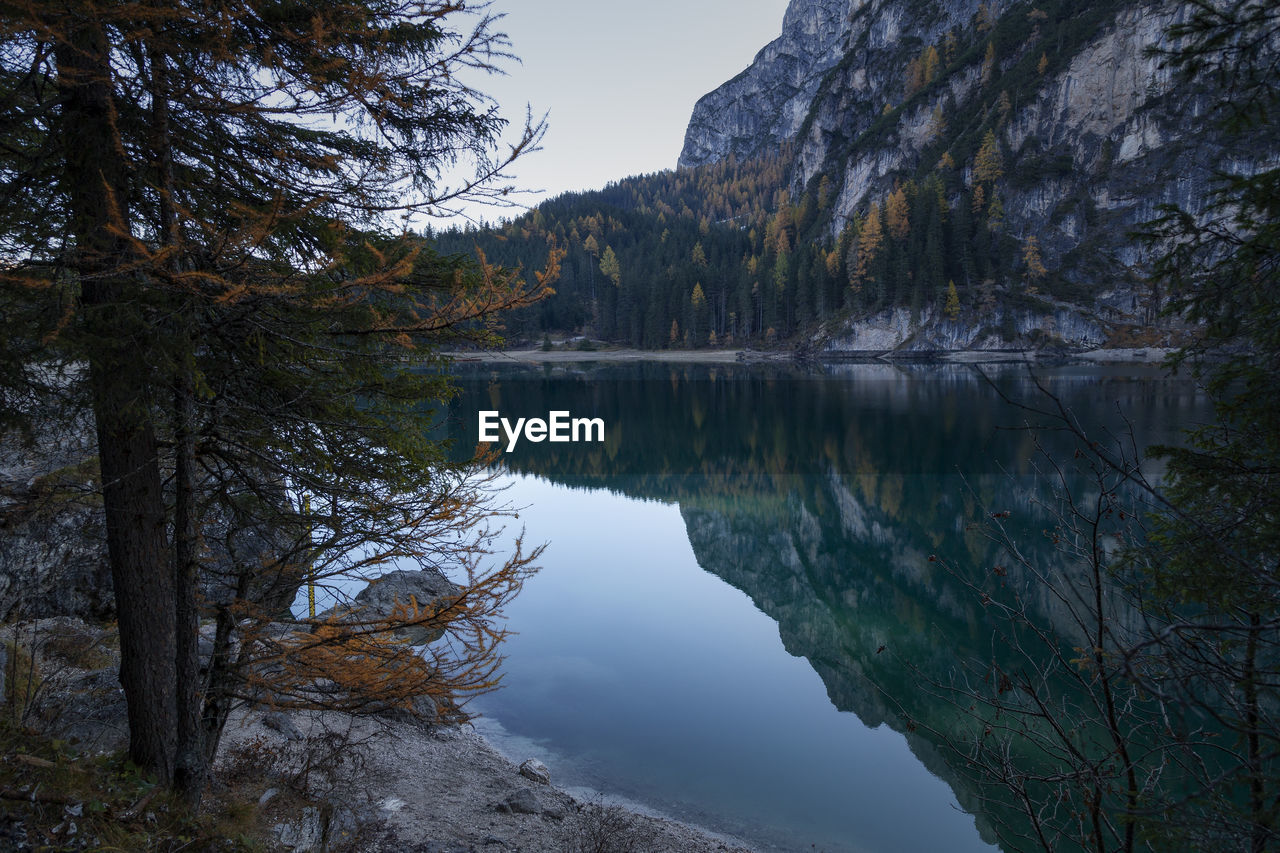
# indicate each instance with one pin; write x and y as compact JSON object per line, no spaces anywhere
{"x":766,"y":103}
{"x":1095,"y":133}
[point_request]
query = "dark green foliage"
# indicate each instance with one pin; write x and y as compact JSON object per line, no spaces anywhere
{"x":733,"y":208}
{"x":653,"y":224}
{"x":739,"y":216}
{"x":1032,"y":168}
{"x":1216,"y":551}
{"x":1186,"y":673}
{"x":198,"y":250}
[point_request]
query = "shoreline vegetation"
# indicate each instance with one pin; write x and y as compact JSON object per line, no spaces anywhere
{"x":534,"y":355}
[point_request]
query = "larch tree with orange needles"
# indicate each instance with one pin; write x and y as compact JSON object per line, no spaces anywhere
{"x":201,"y":206}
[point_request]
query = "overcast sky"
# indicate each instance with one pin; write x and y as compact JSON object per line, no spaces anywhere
{"x":618,"y":79}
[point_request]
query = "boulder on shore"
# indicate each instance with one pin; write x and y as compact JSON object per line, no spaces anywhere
{"x":399,"y":590}
{"x":534,"y":769}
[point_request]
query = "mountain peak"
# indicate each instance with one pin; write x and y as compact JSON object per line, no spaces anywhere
{"x":766,"y":104}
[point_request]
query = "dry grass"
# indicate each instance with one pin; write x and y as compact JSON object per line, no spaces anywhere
{"x":56,"y":800}
{"x":603,"y":828}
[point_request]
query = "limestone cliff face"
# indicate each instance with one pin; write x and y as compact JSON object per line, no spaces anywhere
{"x":1091,"y":148}
{"x":53,"y":548}
{"x":1095,"y":135}
{"x":53,"y":538}
{"x":766,"y":104}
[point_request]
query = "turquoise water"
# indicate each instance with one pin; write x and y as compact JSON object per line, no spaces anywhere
{"x":737,"y":618}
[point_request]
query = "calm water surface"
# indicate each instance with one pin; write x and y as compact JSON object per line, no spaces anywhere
{"x":737,"y":617}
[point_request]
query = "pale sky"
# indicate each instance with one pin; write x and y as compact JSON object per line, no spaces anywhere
{"x":618,"y":79}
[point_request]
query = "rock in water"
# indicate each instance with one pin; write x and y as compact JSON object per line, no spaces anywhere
{"x":384,"y":593}
{"x":400,"y":589}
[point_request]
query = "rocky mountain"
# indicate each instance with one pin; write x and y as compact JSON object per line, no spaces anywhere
{"x":767,"y":103}
{"x":917,"y":175}
{"x":1092,"y":134}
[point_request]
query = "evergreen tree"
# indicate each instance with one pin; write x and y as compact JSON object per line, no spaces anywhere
{"x":1184,"y":693}
{"x":209,"y":239}
{"x":1220,"y":543}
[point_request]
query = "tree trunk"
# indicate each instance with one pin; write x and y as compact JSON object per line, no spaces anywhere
{"x":117,"y":335}
{"x":191,"y":769}
{"x":1259,"y":814}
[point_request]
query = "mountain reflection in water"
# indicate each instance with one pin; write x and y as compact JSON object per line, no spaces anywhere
{"x":821,"y":494}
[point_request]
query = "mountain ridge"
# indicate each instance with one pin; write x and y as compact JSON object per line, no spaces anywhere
{"x":906,"y":174}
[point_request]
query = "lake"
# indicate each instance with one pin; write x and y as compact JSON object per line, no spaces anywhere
{"x":740,"y":617}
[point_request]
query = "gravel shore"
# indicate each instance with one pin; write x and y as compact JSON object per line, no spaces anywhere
{"x":306,"y":782}
{"x":445,"y":789}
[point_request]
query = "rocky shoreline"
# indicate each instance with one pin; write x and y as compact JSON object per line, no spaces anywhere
{"x":1133,"y":355}
{"x":314,"y":782}
{"x":445,"y":789}
{"x":375,"y":783}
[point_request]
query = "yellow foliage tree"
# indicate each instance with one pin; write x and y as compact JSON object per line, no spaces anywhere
{"x":922,"y":70}
{"x":989,"y":64}
{"x":780,"y":227}
{"x":988,"y":164}
{"x":215,"y":200}
{"x":699,"y":256}
{"x":610,"y":267}
{"x":870,"y":238}
{"x":831,"y":260}
{"x":896,"y":214}
{"x":986,"y":17}
{"x":1034,"y":267}
{"x":824,"y":192}
{"x":995,"y":211}
{"x":937,"y":123}
{"x":952,"y":306}
{"x":361,"y":662}
{"x":929,"y":64}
